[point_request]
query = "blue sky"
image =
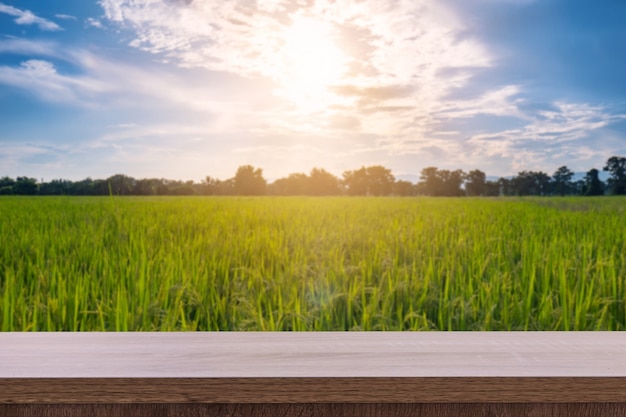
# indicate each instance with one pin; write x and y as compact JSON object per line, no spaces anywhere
{"x":183,"y":89}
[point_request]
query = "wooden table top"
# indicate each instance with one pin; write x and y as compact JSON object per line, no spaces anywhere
{"x":313,"y":354}
{"x":314,"y":367}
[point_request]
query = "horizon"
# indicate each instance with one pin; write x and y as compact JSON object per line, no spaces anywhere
{"x":182,"y":89}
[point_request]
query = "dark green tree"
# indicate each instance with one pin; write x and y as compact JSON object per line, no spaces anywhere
{"x":506,"y":186}
{"x":531,"y":183}
{"x":25,"y":186}
{"x":55,"y":187}
{"x":83,"y":187}
{"x":593,"y":184}
{"x":616,"y":166}
{"x":492,"y":189}
{"x":6,"y":185}
{"x":147,"y":186}
{"x":562,"y":180}
{"x":120,"y":184}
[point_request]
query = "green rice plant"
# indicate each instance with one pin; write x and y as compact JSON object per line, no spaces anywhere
{"x":304,"y":263}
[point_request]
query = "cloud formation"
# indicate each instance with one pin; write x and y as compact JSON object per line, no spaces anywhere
{"x":289,"y":85}
{"x":561,"y":132}
{"x":41,"y":78}
{"x":65,"y":16}
{"x":393,"y":53}
{"x":26,"y":17}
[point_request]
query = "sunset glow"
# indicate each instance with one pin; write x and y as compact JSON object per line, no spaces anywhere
{"x":189,"y":88}
{"x":313,"y":62}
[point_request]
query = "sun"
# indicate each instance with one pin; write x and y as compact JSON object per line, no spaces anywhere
{"x":312,"y":62}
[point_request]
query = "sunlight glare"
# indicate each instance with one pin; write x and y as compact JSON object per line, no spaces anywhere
{"x":313,"y":62}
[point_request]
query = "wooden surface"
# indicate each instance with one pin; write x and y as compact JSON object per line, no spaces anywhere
{"x":312,"y":354}
{"x":315,"y":410}
{"x":380,"y":369}
{"x":312,"y":390}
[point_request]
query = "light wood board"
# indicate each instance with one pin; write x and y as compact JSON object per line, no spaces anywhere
{"x":320,"y":367}
{"x":313,"y":354}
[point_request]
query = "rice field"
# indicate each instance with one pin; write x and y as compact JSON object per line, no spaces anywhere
{"x":306,"y":264}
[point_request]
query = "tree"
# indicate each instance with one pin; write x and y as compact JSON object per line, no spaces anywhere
{"x":562,"y":180}
{"x":452,"y":182}
{"x":492,"y":188}
{"x":249,"y":181}
{"x":616,"y":165}
{"x":6,"y":185}
{"x":578,"y":187}
{"x":182,"y":187}
{"x":380,"y":180}
{"x":356,"y":181}
{"x":25,"y":186}
{"x":543,"y":182}
{"x":442,"y":182}
{"x":430,"y":183}
{"x":83,"y":187}
{"x":147,"y":186}
{"x":209,"y":185}
{"x":506,"y":186}
{"x":374,"y":180}
{"x":593,"y":184}
{"x":120,"y":184}
{"x":294,"y":184}
{"x":475,"y":183}
{"x":403,"y":188}
{"x":55,"y":187}
{"x":531,"y":183}
{"x":322,"y":182}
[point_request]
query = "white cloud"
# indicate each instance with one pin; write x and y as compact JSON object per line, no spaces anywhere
{"x":498,"y":102}
{"x":124,"y":125}
{"x":567,"y":122}
{"x":564,"y":132}
{"x":404,"y":58}
{"x":65,"y":17}
{"x":383,"y":44}
{"x":227,"y":97}
{"x":91,"y":22}
{"x":41,"y":78}
{"x":15,"y":156}
{"x":26,"y":17}
{"x":27,"y":47}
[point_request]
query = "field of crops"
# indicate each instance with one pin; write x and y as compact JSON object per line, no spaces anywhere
{"x":145,"y":264}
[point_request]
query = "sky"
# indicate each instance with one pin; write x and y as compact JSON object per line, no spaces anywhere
{"x":184,"y":89}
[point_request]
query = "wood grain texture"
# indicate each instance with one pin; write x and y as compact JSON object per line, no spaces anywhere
{"x":312,"y":354}
{"x":315,"y":410}
{"x":312,"y":368}
{"x":312,"y":390}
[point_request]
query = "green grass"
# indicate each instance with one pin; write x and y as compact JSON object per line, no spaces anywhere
{"x":145,"y":264}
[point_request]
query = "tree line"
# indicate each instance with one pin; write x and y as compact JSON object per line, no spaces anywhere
{"x":373,"y":180}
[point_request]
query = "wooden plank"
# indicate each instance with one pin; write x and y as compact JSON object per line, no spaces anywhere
{"x":302,"y":354}
{"x":314,"y":410}
{"x":312,"y":368}
{"x":312,"y":390}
